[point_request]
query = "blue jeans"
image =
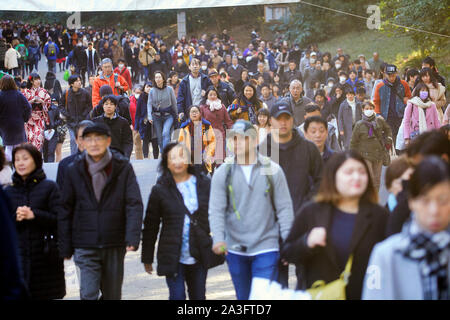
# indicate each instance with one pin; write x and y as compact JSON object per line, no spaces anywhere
{"x":163,"y":127}
{"x":195,"y":277}
{"x":244,"y":268}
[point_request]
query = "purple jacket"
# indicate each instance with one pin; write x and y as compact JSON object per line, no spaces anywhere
{"x":411,"y":119}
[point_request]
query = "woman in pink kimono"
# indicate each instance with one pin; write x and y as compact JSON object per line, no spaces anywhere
{"x":40,"y":101}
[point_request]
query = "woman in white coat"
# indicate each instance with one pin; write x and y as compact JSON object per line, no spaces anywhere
{"x":11,"y":60}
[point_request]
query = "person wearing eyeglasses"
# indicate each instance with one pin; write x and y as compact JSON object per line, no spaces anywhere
{"x":102,"y":215}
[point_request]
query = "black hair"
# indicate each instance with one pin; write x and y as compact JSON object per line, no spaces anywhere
{"x":361,"y":90}
{"x":411,"y":73}
{"x":254,"y":100}
{"x":418,"y":88}
{"x":210,"y":88}
{"x":111,"y":98}
{"x":428,"y":71}
{"x":428,"y":173}
{"x":311,"y":108}
{"x":429,"y":143}
{"x":73,"y":78}
{"x":319,"y":119}
{"x":430,"y":61}
{"x":32,"y":150}
{"x":445,"y":129}
{"x":164,"y":164}
{"x":30,"y":79}
{"x":2,"y":158}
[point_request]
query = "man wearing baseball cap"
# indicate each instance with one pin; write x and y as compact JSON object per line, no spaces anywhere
{"x":250,"y":209}
{"x":226,"y":94}
{"x":102,"y":215}
{"x":299,"y":158}
{"x":390,"y":98}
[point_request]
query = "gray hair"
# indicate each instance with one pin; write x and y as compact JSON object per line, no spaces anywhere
{"x":294,"y":82}
{"x":106,"y":60}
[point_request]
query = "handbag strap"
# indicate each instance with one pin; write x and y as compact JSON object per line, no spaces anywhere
{"x":345,"y":275}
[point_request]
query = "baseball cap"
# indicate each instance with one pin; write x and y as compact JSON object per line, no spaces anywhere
{"x":243,"y":127}
{"x":99,"y":128}
{"x":279,"y":108}
{"x":213,"y":72}
{"x":391,"y":69}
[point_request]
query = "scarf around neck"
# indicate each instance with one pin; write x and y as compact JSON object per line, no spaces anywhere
{"x":97,"y":172}
{"x":370,"y":122}
{"x":214,"y":105}
{"x":421,"y":107}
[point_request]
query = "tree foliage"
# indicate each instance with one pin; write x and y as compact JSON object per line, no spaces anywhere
{"x":427,"y":15}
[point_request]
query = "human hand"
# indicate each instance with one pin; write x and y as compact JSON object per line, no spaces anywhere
{"x":317,"y":237}
{"x":131,"y":248}
{"x":148,"y":268}
{"x":220,"y":248}
{"x":239,"y":110}
{"x":24,"y":213}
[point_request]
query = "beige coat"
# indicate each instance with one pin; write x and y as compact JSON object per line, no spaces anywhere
{"x":146,"y":56}
{"x":438,"y":97}
{"x":11,"y":57}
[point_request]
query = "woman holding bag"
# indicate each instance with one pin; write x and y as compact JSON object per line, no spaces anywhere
{"x":36,"y":202}
{"x":180,"y":196}
{"x":344,"y":220}
{"x":420,"y":114}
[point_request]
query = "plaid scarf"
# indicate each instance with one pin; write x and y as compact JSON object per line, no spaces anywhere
{"x":432,"y":252}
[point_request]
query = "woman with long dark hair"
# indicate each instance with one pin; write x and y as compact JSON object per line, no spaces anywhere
{"x":40,"y":102}
{"x":437,"y":90}
{"x":414,"y":264}
{"x":180,"y":196}
{"x":36,"y":203}
{"x":344,"y":221}
{"x":246,"y":105}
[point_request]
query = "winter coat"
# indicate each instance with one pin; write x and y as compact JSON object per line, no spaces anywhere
{"x":62,"y":168}
{"x":95,"y":59}
{"x":235,"y":74}
{"x":301,"y":161}
{"x":125,"y":73}
{"x":146,"y":56}
{"x":123,"y":108}
{"x":77,"y":106}
{"x":166,"y":206}
{"x":370,"y":147}
{"x":47,"y":53}
{"x":411,"y":119}
{"x":14,"y":112}
{"x":11,"y":59}
{"x":140,"y":124}
{"x":345,"y":121}
{"x":320,"y":263}
{"x":298,"y":108}
{"x":437,"y":95}
{"x":245,"y":113}
{"x":114,"y":221}
{"x":117,"y":53}
{"x":208,"y":138}
{"x":102,"y":80}
{"x":79,"y":57}
{"x":382,"y":94}
{"x":53,"y":86}
{"x":121,"y":135}
{"x":43,"y":270}
{"x":184,"y":99}
{"x":290,"y":75}
{"x":157,"y":66}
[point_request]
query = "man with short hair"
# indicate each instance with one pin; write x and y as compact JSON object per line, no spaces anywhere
{"x":250,"y":209}
{"x":299,"y":159}
{"x":102,"y":215}
{"x":192,"y":89}
{"x":267,"y":96}
{"x":92,"y":60}
{"x":375,"y":63}
{"x":292,"y":74}
{"x":51,"y":51}
{"x":350,"y":112}
{"x":117,"y":52}
{"x":297,"y":101}
{"x":146,"y":56}
{"x":117,"y":83}
{"x":235,"y":70}
{"x":75,"y":105}
{"x":316,"y":131}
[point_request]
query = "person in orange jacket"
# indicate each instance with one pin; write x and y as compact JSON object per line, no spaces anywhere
{"x":117,"y":83}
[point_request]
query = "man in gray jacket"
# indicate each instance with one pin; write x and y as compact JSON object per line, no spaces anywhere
{"x":297,"y":101}
{"x":250,"y":208}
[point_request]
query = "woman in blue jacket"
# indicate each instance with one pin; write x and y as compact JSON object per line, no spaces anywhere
{"x":14,"y":113}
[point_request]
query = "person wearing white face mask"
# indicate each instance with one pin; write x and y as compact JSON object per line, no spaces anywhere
{"x":123,"y":71}
{"x":367,"y":140}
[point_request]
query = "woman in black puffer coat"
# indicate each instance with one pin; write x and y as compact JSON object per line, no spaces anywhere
{"x":36,"y":202}
{"x":179,"y":192}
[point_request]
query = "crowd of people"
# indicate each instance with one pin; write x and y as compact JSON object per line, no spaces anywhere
{"x":292,"y":138}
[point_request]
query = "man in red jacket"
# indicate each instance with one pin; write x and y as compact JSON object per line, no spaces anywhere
{"x":117,"y":83}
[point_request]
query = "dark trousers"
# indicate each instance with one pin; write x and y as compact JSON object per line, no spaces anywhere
{"x":146,"y":142}
{"x":100,"y":270}
{"x":194,"y":276}
{"x":49,"y":148}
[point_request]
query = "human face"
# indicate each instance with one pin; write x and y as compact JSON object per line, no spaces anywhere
{"x":426,"y":78}
{"x":109,"y":108}
{"x":212,"y":95}
{"x":177,"y":161}
{"x":392,"y":77}
{"x":77,"y":84}
{"x":292,"y":66}
{"x":396,"y":185}
{"x":352,"y":179}
{"x":194,"y":114}
{"x":262,"y":120}
{"x":215,"y":79}
{"x":147,"y":88}
{"x":338,"y":92}
{"x":296,"y":90}
{"x":350,"y":96}
{"x":319,"y":100}
{"x":195,"y":67}
{"x":317,"y":133}
{"x":432,"y":210}
{"x":244,"y":75}
{"x":96,"y":145}
{"x":284,"y":123}
{"x":24,"y":163}
{"x":159,"y":80}
{"x":265,"y":92}
{"x":352,"y":76}
{"x":107,"y":69}
{"x":248,"y":92}
{"x":36,"y":83}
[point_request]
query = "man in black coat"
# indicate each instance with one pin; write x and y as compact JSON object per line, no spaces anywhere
{"x":102,"y":215}
{"x":75,"y":105}
{"x":292,"y":74}
{"x":80,"y":61}
{"x":121,"y":135}
{"x":158,"y":65}
{"x":226,"y":94}
{"x":299,"y":158}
